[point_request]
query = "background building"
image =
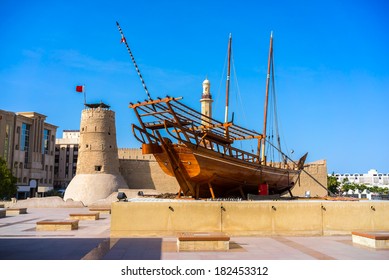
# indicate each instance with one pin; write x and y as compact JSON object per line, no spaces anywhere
{"x":372,"y":177}
{"x":27,"y":144}
{"x":66,"y":155}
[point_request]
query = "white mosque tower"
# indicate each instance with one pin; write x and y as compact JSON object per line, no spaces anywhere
{"x":206,"y":100}
{"x":98,"y":174}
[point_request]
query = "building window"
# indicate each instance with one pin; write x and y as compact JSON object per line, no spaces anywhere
{"x":6,"y":141}
{"x":46,"y":141}
{"x":97,"y":167}
{"x":25,"y":142}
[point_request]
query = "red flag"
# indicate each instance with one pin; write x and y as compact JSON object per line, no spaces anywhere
{"x":80,"y":88}
{"x":123,"y":40}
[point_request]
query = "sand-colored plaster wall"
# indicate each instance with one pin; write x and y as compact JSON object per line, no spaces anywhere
{"x":248,"y":218}
{"x":340,"y":217}
{"x":318,"y":170}
{"x":163,"y":218}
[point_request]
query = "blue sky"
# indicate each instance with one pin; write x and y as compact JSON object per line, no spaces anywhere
{"x":331,"y":63}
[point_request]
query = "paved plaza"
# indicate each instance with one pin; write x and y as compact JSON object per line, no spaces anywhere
{"x":19,"y":240}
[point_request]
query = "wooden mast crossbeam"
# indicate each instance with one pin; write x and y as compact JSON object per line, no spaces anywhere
{"x":154,"y":113}
{"x":156,"y":101}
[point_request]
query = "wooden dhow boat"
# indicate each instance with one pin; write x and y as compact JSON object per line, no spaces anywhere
{"x":199,"y":150}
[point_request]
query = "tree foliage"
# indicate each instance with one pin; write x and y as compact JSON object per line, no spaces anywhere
{"x":333,"y":184}
{"x":337,"y":187}
{"x":8,"y":187}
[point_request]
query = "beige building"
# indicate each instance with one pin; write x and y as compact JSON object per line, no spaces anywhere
{"x":66,"y":155}
{"x":27,"y":144}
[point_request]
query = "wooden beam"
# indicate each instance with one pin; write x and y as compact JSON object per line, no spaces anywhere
{"x":151,"y":102}
{"x":211,"y":190}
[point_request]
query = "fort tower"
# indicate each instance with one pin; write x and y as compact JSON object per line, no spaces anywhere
{"x":98,"y":174}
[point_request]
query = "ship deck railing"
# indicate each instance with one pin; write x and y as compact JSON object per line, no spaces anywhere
{"x":189,"y":126}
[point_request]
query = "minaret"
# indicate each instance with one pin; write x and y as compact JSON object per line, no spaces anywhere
{"x":206,"y":100}
{"x":98,"y":174}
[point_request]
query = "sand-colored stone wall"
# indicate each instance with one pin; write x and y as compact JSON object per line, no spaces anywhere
{"x":98,"y":174}
{"x":318,"y":170}
{"x":143,"y":172}
{"x":248,"y":218}
{"x":163,"y":218}
{"x":98,"y":153}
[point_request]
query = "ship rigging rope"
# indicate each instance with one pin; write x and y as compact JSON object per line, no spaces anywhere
{"x":303,"y":170}
{"x":133,"y":61}
{"x":221,"y":81}
{"x":238,"y":95}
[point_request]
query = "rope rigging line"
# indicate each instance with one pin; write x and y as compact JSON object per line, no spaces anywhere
{"x":220,"y":83}
{"x":275,"y":138}
{"x":238,"y":94}
{"x":123,"y":40}
{"x":303,"y":170}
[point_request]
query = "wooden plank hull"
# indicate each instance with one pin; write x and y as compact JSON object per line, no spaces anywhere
{"x":226,"y":175}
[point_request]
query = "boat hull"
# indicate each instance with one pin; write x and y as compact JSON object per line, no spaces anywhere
{"x":213,"y":174}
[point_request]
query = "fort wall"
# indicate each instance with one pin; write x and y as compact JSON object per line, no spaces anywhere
{"x":143,"y":172}
{"x":318,"y":170}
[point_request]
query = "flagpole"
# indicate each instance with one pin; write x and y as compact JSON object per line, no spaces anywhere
{"x":84,"y":95}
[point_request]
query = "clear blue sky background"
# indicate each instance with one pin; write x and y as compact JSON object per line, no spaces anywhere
{"x":331,"y":62}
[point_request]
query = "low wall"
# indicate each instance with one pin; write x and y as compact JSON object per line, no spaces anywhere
{"x":163,"y":218}
{"x":247,"y":218}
